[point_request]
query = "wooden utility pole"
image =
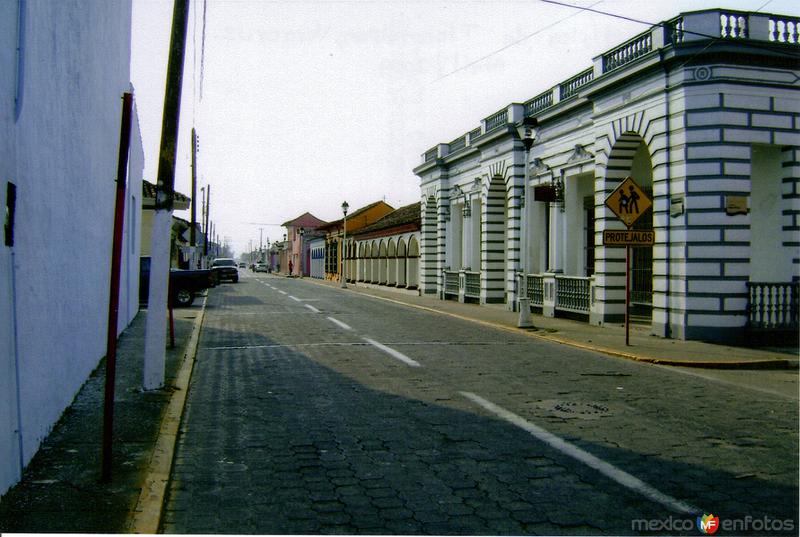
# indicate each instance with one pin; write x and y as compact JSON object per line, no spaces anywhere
{"x":155,"y":328}
{"x":192,"y":232}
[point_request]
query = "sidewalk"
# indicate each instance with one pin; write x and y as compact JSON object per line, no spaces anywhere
{"x":609,"y":339}
{"x":60,"y":490}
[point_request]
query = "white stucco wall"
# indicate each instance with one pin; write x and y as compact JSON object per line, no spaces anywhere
{"x":61,"y":152}
{"x":9,"y":444}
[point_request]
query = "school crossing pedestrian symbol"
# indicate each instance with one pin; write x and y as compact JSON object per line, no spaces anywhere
{"x":628,"y":202}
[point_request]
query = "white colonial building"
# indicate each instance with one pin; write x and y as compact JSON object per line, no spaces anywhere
{"x":703,"y":113}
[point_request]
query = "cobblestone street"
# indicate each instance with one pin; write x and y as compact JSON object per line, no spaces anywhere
{"x":316,"y":410}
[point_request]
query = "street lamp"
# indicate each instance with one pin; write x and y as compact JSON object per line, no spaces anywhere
{"x":345,"y":206}
{"x":302,"y":252}
{"x":526,"y":130}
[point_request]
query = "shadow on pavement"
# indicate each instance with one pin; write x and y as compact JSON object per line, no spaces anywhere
{"x":60,"y":490}
{"x":274,"y":442}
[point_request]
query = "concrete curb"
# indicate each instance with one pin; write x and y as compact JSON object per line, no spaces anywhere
{"x":701,"y":364}
{"x":146,"y":517}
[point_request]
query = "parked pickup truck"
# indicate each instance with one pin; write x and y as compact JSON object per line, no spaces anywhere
{"x":183,"y":284}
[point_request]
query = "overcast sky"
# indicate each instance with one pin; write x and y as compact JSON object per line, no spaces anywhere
{"x":300,"y":105}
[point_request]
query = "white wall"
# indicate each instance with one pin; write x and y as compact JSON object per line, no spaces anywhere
{"x":9,"y":442}
{"x":62,"y":154}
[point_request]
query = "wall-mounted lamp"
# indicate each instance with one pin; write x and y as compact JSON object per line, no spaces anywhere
{"x":526,"y":129}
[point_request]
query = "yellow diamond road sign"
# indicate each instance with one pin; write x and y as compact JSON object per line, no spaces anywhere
{"x":628,"y":202}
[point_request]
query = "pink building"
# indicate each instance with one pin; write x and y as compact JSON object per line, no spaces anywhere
{"x":298,"y":254}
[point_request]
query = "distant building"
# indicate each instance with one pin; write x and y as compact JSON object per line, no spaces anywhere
{"x":703,"y":112}
{"x":178,"y":257}
{"x":317,"y":248}
{"x":61,"y":85}
{"x":297,"y":256}
{"x":386,"y":253}
{"x":334,"y":234}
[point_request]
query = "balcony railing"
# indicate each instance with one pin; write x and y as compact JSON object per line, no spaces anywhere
{"x":458,"y":143}
{"x":784,"y":29}
{"x":535,"y":289}
{"x":451,"y":283}
{"x":563,"y":293}
{"x":539,"y":103}
{"x":497,"y":120}
{"x":572,"y":294}
{"x":472,"y":285}
{"x":570,"y":87}
{"x":733,"y":26}
{"x":773,"y":306}
{"x":679,"y":31}
{"x":627,"y":52}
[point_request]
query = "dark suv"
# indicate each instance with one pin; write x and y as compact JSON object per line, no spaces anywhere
{"x":224,"y":268}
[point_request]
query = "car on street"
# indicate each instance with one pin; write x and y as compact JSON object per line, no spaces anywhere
{"x":183,"y":284}
{"x":242,"y":265}
{"x":224,"y":268}
{"x":261,"y":267}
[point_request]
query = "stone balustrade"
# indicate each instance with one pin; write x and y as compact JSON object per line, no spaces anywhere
{"x":684,"y":30}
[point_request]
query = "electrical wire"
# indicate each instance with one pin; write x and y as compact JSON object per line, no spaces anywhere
{"x":501,"y":49}
{"x":715,"y":38}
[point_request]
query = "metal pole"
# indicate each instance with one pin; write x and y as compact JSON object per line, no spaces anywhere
{"x":192,"y":232}
{"x":524,"y":319}
{"x":208,"y":210}
{"x":344,"y":243}
{"x":113,"y":302}
{"x":627,"y":294}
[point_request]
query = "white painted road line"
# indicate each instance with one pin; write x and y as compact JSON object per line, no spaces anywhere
{"x":312,"y":308}
{"x":338,"y":323}
{"x":393,"y":353}
{"x":294,"y":298}
{"x":612,"y":472}
{"x":282,"y":292}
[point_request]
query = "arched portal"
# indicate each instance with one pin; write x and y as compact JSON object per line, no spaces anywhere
{"x":413,"y":263}
{"x":373,"y":263}
{"x":630,"y":156}
{"x":494,"y":223}
{"x":382,"y":263}
{"x":391,"y":254}
{"x":402,"y":263}
{"x":361,"y":262}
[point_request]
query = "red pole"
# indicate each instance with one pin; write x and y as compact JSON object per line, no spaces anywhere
{"x":113,"y":299}
{"x":171,"y":323}
{"x":627,"y":295}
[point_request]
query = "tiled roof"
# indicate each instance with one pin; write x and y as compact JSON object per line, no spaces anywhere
{"x":305,"y":220}
{"x":352,"y":216}
{"x":149,"y":193}
{"x":408,"y":215}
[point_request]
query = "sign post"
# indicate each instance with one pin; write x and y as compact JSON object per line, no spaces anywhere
{"x":628,"y":202}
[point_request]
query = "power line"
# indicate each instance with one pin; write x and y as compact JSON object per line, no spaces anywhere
{"x":715,"y":38}
{"x":501,"y":49}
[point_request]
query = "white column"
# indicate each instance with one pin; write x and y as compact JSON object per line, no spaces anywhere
{"x":557,"y":239}
{"x":155,"y":341}
{"x":467,"y":240}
